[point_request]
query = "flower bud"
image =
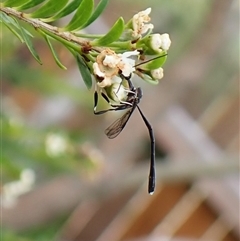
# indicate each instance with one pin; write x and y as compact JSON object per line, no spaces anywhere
{"x":157,"y":74}
{"x":166,"y":42}
{"x":156,"y":43}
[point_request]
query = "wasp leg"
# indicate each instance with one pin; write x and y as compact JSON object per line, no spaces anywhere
{"x":121,"y":106}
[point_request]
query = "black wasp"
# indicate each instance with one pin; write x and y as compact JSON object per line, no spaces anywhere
{"x":131,"y":102}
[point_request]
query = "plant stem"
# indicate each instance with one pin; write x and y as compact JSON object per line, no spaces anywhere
{"x":38,"y":24}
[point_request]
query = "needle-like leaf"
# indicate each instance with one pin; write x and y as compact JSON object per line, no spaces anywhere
{"x":30,"y":4}
{"x":72,"y":6}
{"x":113,"y":35}
{"x":97,"y":12}
{"x":13,"y":26}
{"x":55,"y":56}
{"x":29,"y":44}
{"x":14,"y":31}
{"x":50,"y":8}
{"x":14,"y":3}
{"x":86,"y":75}
{"x":81,"y":16}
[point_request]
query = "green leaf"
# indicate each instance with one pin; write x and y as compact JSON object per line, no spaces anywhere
{"x":28,"y":42}
{"x":10,"y":20}
{"x":86,"y":75}
{"x":72,"y":6}
{"x":12,"y":26}
{"x":7,"y":19}
{"x":50,"y":8}
{"x":154,"y":63}
{"x":47,"y":38}
{"x":113,"y":35}
{"x":14,"y":31}
{"x":30,"y":4}
{"x":4,"y":17}
{"x":14,"y":3}
{"x":98,"y":11}
{"x":81,"y":16}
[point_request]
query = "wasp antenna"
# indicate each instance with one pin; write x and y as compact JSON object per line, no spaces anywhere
{"x":149,"y":60}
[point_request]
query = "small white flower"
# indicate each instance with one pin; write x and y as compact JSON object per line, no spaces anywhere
{"x":157,"y":73}
{"x":105,"y":67}
{"x":166,"y":42}
{"x":140,"y":21}
{"x":160,"y":42}
{"x":108,"y":65}
{"x":55,"y":145}
{"x":126,"y":64}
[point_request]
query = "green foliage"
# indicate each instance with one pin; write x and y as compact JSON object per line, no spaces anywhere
{"x":22,"y":34}
{"x":72,"y":6}
{"x":85,"y":48}
{"x":113,"y":35}
{"x":29,"y":4}
{"x":16,"y":136}
{"x":48,"y":9}
{"x":81,"y":16}
{"x":43,"y":233}
{"x":98,"y":11}
{"x":10,"y":236}
{"x":25,"y":145}
{"x":47,"y":38}
{"x":28,"y":42}
{"x":84,"y":71}
{"x":15,"y":3}
{"x":13,"y":26}
{"x":47,"y":231}
{"x":31,"y":149}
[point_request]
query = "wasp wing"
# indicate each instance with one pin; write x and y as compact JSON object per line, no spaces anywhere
{"x":117,"y":126}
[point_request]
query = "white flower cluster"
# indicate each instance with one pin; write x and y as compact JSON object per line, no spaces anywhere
{"x":140,"y":25}
{"x":107,"y":67}
{"x":109,"y":64}
{"x":156,"y":43}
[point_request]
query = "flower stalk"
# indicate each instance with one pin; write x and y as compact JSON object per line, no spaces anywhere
{"x":36,"y":23}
